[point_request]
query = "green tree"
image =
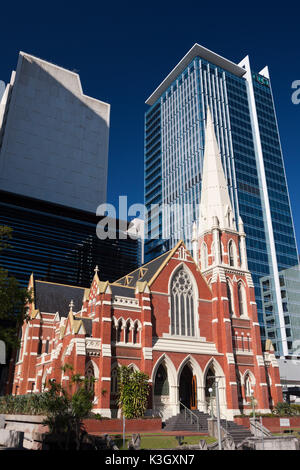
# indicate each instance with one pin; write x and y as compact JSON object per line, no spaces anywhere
{"x":13,"y":299}
{"x":65,"y":411}
{"x":133,"y":391}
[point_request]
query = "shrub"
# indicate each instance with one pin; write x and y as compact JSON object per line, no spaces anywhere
{"x":133,"y":392}
{"x":32,"y":404}
{"x":284,"y":409}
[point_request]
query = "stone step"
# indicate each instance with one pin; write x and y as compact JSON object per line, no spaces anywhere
{"x":178,"y":423}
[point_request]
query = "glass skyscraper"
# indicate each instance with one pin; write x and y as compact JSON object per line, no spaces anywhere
{"x":243,"y":112}
{"x":59,"y":244}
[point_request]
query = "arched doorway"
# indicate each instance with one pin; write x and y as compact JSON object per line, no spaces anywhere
{"x":188,"y":388}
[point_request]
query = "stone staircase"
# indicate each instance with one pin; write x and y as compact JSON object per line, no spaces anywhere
{"x":179,"y":423}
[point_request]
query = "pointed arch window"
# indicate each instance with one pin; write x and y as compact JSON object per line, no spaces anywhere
{"x":135,"y":333}
{"x":161,"y":386}
{"x":204,"y":256}
{"x":127,"y":332}
{"x":231,"y":253}
{"x":119,"y":331}
{"x":248,"y":386}
{"x":114,"y":380}
{"x":213,"y":253}
{"x":242,"y":299}
{"x":40,"y":347}
{"x":229,"y":295}
{"x":182,"y":304}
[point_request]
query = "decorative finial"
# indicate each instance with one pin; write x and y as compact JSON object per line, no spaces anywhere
{"x":71,"y":305}
{"x":96,"y":270}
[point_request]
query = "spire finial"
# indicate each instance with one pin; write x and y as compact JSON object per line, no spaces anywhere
{"x":96,"y":270}
{"x":71,"y":305}
{"x":215,"y":200}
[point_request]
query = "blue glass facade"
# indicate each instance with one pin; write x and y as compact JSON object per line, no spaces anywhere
{"x":174,"y":148}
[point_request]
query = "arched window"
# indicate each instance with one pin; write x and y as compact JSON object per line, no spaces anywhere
{"x":119,"y":331}
{"x":40,"y":347}
{"x":213,"y":252}
{"x":210,"y":382}
{"x":231,"y":253}
{"x":248,"y":386}
{"x":135,"y":333}
{"x":90,"y":376}
{"x":161,"y":386}
{"x":114,"y":380}
{"x":182,"y":304}
{"x":114,"y":332}
{"x":204,"y":256}
{"x":25,"y":341}
{"x":127,"y":332}
{"x":242,"y":299}
{"x":229,"y":295}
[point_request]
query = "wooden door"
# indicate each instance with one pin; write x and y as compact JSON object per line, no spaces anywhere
{"x":194,"y":393}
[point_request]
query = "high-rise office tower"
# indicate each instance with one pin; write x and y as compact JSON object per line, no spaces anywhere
{"x":53,"y":176}
{"x":53,"y":138}
{"x":242,"y":107}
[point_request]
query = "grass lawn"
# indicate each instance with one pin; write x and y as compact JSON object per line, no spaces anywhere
{"x":295,"y":432}
{"x":160,"y":441}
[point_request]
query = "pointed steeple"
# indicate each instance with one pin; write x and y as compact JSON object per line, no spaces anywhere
{"x":215,"y":200}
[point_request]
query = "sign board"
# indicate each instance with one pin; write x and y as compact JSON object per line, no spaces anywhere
{"x":284,"y":422}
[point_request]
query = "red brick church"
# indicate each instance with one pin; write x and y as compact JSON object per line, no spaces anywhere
{"x":185,"y":319}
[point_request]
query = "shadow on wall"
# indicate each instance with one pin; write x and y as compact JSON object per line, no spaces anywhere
{"x":55,"y":141}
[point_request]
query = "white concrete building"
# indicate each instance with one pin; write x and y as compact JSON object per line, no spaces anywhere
{"x":53,"y":138}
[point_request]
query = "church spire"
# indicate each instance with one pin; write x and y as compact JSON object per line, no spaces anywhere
{"x":215,"y":201}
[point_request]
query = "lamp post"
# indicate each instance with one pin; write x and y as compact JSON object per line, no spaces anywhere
{"x":211,"y":403}
{"x":218,"y":415}
{"x":216,"y":385}
{"x":253,"y":403}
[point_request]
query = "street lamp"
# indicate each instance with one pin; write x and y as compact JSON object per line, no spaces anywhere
{"x":211,"y":402}
{"x":216,"y":384}
{"x":253,"y":403}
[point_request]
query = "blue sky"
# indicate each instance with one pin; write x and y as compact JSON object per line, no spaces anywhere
{"x":123,"y":50}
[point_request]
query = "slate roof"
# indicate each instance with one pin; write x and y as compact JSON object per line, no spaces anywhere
{"x":52,"y":298}
{"x":87,"y":323}
{"x":144,"y":273}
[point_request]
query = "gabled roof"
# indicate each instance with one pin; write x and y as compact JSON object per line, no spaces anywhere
{"x":146,"y":273}
{"x":51,"y":297}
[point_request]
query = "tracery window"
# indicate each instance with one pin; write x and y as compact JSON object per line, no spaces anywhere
{"x":182,"y":304}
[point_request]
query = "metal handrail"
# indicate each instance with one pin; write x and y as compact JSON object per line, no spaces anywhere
{"x":191,"y":415}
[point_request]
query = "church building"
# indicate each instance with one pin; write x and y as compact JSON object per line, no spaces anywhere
{"x":187,"y":320}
